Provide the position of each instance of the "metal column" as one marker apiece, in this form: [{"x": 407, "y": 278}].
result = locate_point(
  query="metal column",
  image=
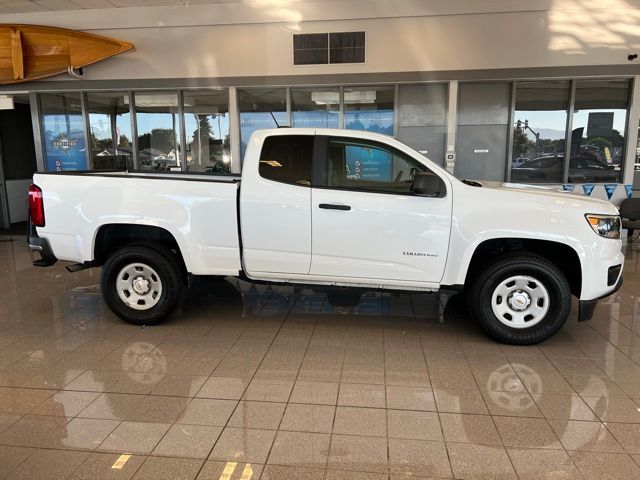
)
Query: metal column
[
  {"x": 134, "y": 130},
  {"x": 182, "y": 134},
  {"x": 37, "y": 133},
  {"x": 633, "y": 122},
  {"x": 569, "y": 134},
  {"x": 234, "y": 131},
  {"x": 452, "y": 126},
  {"x": 87, "y": 129}
]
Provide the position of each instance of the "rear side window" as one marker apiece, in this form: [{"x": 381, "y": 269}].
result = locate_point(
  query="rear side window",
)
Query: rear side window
[{"x": 287, "y": 158}]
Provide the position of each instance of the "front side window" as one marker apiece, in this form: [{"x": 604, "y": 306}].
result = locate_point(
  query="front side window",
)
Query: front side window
[
  {"x": 287, "y": 158},
  {"x": 369, "y": 166}
]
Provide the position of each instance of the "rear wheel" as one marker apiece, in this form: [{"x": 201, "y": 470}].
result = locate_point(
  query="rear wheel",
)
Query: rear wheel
[
  {"x": 520, "y": 298},
  {"x": 142, "y": 284}
]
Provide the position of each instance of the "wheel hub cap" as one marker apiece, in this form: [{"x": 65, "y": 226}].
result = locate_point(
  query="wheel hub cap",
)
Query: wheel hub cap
[
  {"x": 520, "y": 301},
  {"x": 139, "y": 286}
]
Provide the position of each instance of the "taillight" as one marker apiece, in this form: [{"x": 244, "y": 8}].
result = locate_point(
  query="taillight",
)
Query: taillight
[{"x": 36, "y": 206}]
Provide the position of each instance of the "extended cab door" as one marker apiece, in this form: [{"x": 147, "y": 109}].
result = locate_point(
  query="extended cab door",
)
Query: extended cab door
[
  {"x": 366, "y": 222},
  {"x": 275, "y": 203}
]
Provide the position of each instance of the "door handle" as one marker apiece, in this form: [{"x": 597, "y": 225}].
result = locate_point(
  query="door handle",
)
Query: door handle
[{"x": 333, "y": 206}]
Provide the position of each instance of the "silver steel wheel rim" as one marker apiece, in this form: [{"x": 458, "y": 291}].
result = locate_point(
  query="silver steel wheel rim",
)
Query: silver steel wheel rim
[
  {"x": 520, "y": 301},
  {"x": 139, "y": 286}
]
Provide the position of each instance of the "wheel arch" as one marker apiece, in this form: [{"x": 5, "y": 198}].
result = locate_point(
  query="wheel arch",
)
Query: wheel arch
[
  {"x": 562, "y": 255},
  {"x": 112, "y": 236}
]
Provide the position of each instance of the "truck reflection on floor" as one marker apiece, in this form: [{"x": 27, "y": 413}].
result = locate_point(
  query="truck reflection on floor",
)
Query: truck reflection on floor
[
  {"x": 266, "y": 300},
  {"x": 517, "y": 388}
]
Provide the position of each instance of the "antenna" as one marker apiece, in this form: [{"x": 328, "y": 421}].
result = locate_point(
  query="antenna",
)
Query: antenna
[{"x": 274, "y": 119}]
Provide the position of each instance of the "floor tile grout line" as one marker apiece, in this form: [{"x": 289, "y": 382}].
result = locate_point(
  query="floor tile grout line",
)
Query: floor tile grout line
[
  {"x": 435, "y": 403},
  {"x": 335, "y": 411},
  {"x": 47, "y": 342},
  {"x": 504, "y": 447},
  {"x": 287, "y": 403},
  {"x": 546, "y": 356},
  {"x": 386, "y": 405},
  {"x": 297, "y": 294}
]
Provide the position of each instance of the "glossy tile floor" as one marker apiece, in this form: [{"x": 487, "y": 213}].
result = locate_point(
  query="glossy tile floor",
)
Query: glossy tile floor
[{"x": 250, "y": 382}]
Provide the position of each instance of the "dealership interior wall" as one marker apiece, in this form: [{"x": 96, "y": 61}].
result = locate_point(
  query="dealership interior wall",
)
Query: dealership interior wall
[{"x": 503, "y": 90}]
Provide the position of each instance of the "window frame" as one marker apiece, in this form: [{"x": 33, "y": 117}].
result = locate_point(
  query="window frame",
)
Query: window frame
[{"x": 321, "y": 161}]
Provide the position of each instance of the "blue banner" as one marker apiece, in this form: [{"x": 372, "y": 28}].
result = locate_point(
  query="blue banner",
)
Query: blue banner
[
  {"x": 569, "y": 187},
  {"x": 629, "y": 190},
  {"x": 610, "y": 188},
  {"x": 64, "y": 147},
  {"x": 587, "y": 188}
]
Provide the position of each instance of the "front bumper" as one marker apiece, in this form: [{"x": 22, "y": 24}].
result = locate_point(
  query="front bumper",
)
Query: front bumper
[
  {"x": 587, "y": 307},
  {"x": 40, "y": 245}
]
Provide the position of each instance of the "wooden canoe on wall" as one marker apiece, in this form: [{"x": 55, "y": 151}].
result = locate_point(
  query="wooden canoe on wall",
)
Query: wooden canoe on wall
[{"x": 28, "y": 52}]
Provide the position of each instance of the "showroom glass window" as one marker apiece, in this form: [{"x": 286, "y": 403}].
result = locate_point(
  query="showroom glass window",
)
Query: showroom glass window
[
  {"x": 315, "y": 107},
  {"x": 206, "y": 123},
  {"x": 62, "y": 127},
  {"x": 109, "y": 131},
  {"x": 597, "y": 139},
  {"x": 363, "y": 165},
  {"x": 369, "y": 108},
  {"x": 256, "y": 106},
  {"x": 539, "y": 128},
  {"x": 158, "y": 127}
]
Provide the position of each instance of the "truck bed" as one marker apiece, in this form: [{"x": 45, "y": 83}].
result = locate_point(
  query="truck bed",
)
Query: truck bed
[{"x": 199, "y": 210}]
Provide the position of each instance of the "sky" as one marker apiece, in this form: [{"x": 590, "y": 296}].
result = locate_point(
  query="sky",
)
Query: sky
[{"x": 556, "y": 121}]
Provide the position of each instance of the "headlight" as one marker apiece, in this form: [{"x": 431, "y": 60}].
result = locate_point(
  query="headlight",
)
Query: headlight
[{"x": 607, "y": 226}]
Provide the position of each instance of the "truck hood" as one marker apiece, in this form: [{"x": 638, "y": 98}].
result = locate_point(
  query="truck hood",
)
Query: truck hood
[{"x": 553, "y": 194}]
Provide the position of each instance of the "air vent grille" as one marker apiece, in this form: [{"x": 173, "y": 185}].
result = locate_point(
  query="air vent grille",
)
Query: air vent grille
[{"x": 328, "y": 48}]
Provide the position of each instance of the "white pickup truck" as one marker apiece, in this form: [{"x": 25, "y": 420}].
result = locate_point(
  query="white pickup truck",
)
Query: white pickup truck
[{"x": 334, "y": 208}]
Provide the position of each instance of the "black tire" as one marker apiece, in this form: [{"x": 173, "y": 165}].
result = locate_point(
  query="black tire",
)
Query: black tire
[
  {"x": 502, "y": 268},
  {"x": 166, "y": 266}
]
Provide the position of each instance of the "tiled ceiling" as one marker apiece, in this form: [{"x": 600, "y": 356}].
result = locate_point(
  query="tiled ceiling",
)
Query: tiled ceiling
[{"x": 26, "y": 6}]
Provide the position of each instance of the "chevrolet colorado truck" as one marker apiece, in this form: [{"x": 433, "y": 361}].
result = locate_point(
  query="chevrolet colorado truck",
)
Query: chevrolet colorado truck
[{"x": 329, "y": 207}]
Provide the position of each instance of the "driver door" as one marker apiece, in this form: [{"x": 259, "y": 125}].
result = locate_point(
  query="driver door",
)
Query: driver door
[{"x": 367, "y": 224}]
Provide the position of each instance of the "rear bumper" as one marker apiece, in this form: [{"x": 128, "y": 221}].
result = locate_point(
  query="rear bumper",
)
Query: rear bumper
[
  {"x": 40, "y": 245},
  {"x": 587, "y": 307}
]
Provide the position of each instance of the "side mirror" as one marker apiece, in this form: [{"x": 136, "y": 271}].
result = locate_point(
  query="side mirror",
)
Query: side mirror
[{"x": 427, "y": 184}]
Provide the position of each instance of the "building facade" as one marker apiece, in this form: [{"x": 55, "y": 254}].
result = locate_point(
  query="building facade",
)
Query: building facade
[{"x": 500, "y": 90}]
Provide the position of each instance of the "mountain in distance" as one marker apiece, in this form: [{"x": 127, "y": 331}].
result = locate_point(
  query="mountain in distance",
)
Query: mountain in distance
[{"x": 548, "y": 133}]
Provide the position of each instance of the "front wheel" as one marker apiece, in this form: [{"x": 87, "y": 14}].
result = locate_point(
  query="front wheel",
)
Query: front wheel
[
  {"x": 141, "y": 284},
  {"x": 520, "y": 299}
]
